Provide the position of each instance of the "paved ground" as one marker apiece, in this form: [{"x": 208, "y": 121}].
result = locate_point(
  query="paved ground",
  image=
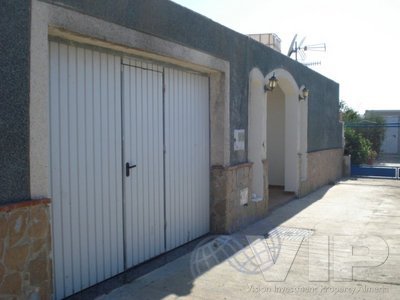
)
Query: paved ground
[{"x": 342, "y": 241}]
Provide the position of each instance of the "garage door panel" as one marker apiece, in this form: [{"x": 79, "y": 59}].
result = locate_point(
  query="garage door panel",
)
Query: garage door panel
[
  {"x": 143, "y": 146},
  {"x": 81, "y": 154},
  {"x": 187, "y": 156},
  {"x": 85, "y": 166}
]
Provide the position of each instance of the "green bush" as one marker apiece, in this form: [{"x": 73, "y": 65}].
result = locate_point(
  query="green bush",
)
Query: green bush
[
  {"x": 358, "y": 147},
  {"x": 374, "y": 133},
  {"x": 364, "y": 136}
]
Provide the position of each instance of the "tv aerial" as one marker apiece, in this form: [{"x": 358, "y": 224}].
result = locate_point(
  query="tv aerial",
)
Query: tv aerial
[{"x": 299, "y": 50}]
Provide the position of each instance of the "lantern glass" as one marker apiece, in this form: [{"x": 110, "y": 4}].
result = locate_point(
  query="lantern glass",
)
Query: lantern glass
[
  {"x": 305, "y": 93},
  {"x": 272, "y": 82}
]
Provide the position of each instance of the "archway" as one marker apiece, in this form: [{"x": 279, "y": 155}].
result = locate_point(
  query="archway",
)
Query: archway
[
  {"x": 277, "y": 133},
  {"x": 283, "y": 132},
  {"x": 257, "y": 132}
]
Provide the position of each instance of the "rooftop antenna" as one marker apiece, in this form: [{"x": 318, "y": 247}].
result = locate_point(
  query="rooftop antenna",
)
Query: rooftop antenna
[
  {"x": 292, "y": 46},
  {"x": 299, "y": 49},
  {"x": 313, "y": 63}
]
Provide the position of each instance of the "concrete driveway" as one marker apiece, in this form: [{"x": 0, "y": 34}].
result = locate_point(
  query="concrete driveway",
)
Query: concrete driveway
[{"x": 342, "y": 241}]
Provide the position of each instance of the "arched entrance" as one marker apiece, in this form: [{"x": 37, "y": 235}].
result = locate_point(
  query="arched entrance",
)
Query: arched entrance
[{"x": 277, "y": 133}]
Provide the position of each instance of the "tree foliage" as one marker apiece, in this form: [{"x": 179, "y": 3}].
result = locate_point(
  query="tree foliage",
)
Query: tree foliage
[
  {"x": 363, "y": 135},
  {"x": 349, "y": 114},
  {"x": 374, "y": 132},
  {"x": 358, "y": 147}
]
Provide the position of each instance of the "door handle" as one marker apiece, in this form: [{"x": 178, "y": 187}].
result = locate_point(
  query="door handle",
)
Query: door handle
[{"x": 127, "y": 168}]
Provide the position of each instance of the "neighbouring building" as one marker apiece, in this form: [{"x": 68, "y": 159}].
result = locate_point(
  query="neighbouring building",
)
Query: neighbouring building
[
  {"x": 129, "y": 128},
  {"x": 391, "y": 141},
  {"x": 269, "y": 39}
]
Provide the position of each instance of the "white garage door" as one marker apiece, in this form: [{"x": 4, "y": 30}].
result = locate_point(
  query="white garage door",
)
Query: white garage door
[{"x": 152, "y": 122}]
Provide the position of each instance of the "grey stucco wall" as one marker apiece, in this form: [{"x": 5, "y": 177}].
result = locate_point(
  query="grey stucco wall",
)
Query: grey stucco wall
[
  {"x": 168, "y": 21},
  {"x": 14, "y": 100}
]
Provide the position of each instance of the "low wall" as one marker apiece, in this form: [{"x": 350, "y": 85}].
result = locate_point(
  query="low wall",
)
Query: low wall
[
  {"x": 25, "y": 249},
  {"x": 323, "y": 167},
  {"x": 227, "y": 212}
]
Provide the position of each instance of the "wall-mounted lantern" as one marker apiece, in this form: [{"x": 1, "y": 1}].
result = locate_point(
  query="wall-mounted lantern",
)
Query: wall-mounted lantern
[
  {"x": 272, "y": 82},
  {"x": 303, "y": 94}
]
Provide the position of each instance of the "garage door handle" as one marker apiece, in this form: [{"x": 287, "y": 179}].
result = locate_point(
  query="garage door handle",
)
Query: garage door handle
[{"x": 127, "y": 168}]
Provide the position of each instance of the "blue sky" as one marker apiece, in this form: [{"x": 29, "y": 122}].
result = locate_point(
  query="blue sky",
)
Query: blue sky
[{"x": 362, "y": 39}]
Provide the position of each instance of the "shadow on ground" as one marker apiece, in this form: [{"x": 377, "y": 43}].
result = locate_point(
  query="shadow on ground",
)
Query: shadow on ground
[{"x": 197, "y": 257}]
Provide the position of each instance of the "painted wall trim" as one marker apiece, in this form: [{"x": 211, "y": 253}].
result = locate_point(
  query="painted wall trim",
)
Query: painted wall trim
[{"x": 12, "y": 206}]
